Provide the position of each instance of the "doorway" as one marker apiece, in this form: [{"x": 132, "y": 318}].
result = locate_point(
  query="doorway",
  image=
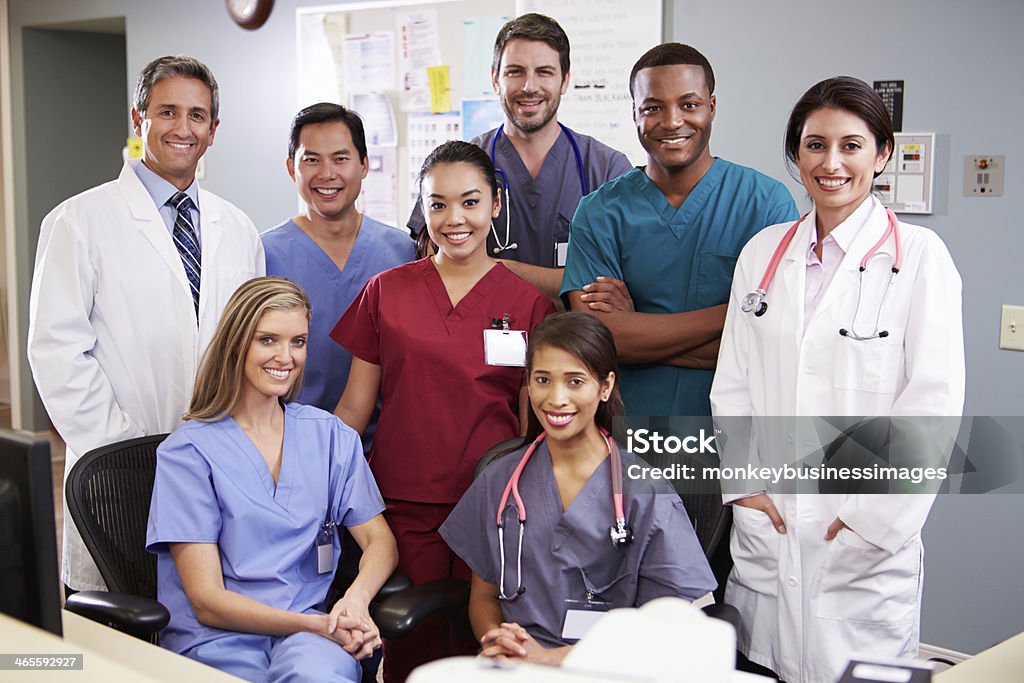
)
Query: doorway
[{"x": 76, "y": 122}]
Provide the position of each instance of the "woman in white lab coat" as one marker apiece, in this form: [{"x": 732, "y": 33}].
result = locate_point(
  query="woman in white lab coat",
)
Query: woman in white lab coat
[{"x": 819, "y": 578}]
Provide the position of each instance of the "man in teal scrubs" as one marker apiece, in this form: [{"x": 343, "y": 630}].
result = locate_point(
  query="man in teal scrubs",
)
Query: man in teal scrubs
[{"x": 652, "y": 252}]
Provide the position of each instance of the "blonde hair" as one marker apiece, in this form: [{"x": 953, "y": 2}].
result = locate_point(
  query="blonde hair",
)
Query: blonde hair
[{"x": 222, "y": 371}]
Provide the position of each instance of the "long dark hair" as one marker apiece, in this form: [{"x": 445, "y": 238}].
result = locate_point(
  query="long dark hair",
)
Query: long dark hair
[
  {"x": 459, "y": 152},
  {"x": 844, "y": 93},
  {"x": 586, "y": 338}
]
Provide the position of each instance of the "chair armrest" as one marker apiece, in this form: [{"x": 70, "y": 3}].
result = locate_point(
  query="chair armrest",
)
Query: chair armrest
[
  {"x": 398, "y": 614},
  {"x": 396, "y": 583},
  {"x": 133, "y": 614}
]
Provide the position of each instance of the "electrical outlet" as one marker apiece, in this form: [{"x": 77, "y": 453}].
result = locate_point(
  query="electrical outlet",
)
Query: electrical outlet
[
  {"x": 984, "y": 175},
  {"x": 1011, "y": 328}
]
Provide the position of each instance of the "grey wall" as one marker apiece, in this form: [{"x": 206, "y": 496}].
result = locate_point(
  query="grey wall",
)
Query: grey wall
[
  {"x": 765, "y": 53},
  {"x": 75, "y": 100}
]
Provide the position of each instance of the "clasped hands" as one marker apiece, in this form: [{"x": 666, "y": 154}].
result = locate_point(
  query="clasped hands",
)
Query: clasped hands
[
  {"x": 349, "y": 624},
  {"x": 511, "y": 640}
]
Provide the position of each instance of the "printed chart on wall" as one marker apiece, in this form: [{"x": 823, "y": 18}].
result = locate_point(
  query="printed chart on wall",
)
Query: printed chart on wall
[{"x": 606, "y": 38}]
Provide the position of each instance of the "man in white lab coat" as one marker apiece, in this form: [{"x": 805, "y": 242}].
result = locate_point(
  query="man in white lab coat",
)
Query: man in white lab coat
[{"x": 130, "y": 280}]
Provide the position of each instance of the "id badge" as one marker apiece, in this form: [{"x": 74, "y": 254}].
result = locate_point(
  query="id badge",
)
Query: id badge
[
  {"x": 325, "y": 548},
  {"x": 580, "y": 617},
  {"x": 561, "y": 252},
  {"x": 505, "y": 347}
]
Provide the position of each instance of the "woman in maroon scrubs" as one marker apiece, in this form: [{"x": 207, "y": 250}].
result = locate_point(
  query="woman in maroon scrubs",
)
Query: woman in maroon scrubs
[{"x": 442, "y": 340}]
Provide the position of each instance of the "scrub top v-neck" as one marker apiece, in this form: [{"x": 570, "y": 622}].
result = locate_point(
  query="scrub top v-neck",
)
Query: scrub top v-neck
[
  {"x": 293, "y": 254},
  {"x": 443, "y": 405}
]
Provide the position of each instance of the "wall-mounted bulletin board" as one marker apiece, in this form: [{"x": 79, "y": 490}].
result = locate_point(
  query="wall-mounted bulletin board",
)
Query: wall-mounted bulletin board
[{"x": 418, "y": 73}]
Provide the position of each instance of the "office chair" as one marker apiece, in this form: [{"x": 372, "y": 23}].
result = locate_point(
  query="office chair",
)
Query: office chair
[{"x": 108, "y": 493}]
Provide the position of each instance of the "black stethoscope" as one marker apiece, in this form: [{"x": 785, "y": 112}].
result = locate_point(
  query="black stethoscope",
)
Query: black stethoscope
[
  {"x": 509, "y": 244},
  {"x": 754, "y": 301},
  {"x": 621, "y": 535}
]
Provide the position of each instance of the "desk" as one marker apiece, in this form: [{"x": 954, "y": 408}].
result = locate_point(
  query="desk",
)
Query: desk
[
  {"x": 108, "y": 655},
  {"x": 477, "y": 670},
  {"x": 1002, "y": 663}
]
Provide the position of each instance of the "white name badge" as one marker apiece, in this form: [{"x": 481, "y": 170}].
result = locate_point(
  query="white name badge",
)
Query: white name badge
[
  {"x": 580, "y": 617},
  {"x": 505, "y": 347},
  {"x": 561, "y": 251},
  {"x": 325, "y": 548}
]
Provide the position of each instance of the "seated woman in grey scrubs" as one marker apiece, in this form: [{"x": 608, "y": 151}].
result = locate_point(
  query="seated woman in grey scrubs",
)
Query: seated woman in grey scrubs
[{"x": 537, "y": 587}]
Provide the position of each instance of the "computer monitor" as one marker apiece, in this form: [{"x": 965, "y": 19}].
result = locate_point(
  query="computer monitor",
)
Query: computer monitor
[{"x": 29, "y": 585}]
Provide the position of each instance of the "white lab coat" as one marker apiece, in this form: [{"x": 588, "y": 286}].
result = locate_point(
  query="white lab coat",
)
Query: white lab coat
[
  {"x": 113, "y": 341},
  {"x": 809, "y": 604}
]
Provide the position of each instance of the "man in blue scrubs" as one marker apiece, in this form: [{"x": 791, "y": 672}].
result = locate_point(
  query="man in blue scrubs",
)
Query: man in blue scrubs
[
  {"x": 544, "y": 167},
  {"x": 653, "y": 252},
  {"x": 330, "y": 249}
]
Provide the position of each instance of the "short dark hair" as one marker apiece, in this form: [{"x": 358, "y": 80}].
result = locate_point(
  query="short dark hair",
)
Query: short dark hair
[
  {"x": 846, "y": 94},
  {"x": 584, "y": 337},
  {"x": 670, "y": 54},
  {"x": 169, "y": 67},
  {"x": 533, "y": 26},
  {"x": 459, "y": 152},
  {"x": 328, "y": 112}
]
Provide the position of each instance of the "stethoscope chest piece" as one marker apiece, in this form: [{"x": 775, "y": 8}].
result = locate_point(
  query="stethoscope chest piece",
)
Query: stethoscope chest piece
[
  {"x": 621, "y": 534},
  {"x": 754, "y": 302}
]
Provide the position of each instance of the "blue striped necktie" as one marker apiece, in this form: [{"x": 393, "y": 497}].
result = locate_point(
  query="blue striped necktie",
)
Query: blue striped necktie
[{"x": 187, "y": 242}]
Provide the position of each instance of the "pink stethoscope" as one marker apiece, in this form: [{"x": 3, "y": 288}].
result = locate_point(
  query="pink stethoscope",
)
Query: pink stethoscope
[
  {"x": 754, "y": 301},
  {"x": 621, "y": 534}
]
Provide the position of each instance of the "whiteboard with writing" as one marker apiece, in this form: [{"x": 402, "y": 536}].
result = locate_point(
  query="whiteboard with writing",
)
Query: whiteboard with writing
[{"x": 606, "y": 38}]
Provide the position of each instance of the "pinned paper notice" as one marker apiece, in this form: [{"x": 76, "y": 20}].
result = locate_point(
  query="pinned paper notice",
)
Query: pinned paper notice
[{"x": 440, "y": 89}]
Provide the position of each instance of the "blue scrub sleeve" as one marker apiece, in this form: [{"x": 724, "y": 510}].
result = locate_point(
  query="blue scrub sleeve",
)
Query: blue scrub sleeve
[
  {"x": 470, "y": 530},
  {"x": 355, "y": 498},
  {"x": 184, "y": 507},
  {"x": 673, "y": 563},
  {"x": 359, "y": 329},
  {"x": 592, "y": 250},
  {"x": 783, "y": 207}
]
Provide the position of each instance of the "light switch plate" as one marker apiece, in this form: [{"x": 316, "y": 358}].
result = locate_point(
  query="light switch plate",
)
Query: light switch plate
[{"x": 1011, "y": 328}]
